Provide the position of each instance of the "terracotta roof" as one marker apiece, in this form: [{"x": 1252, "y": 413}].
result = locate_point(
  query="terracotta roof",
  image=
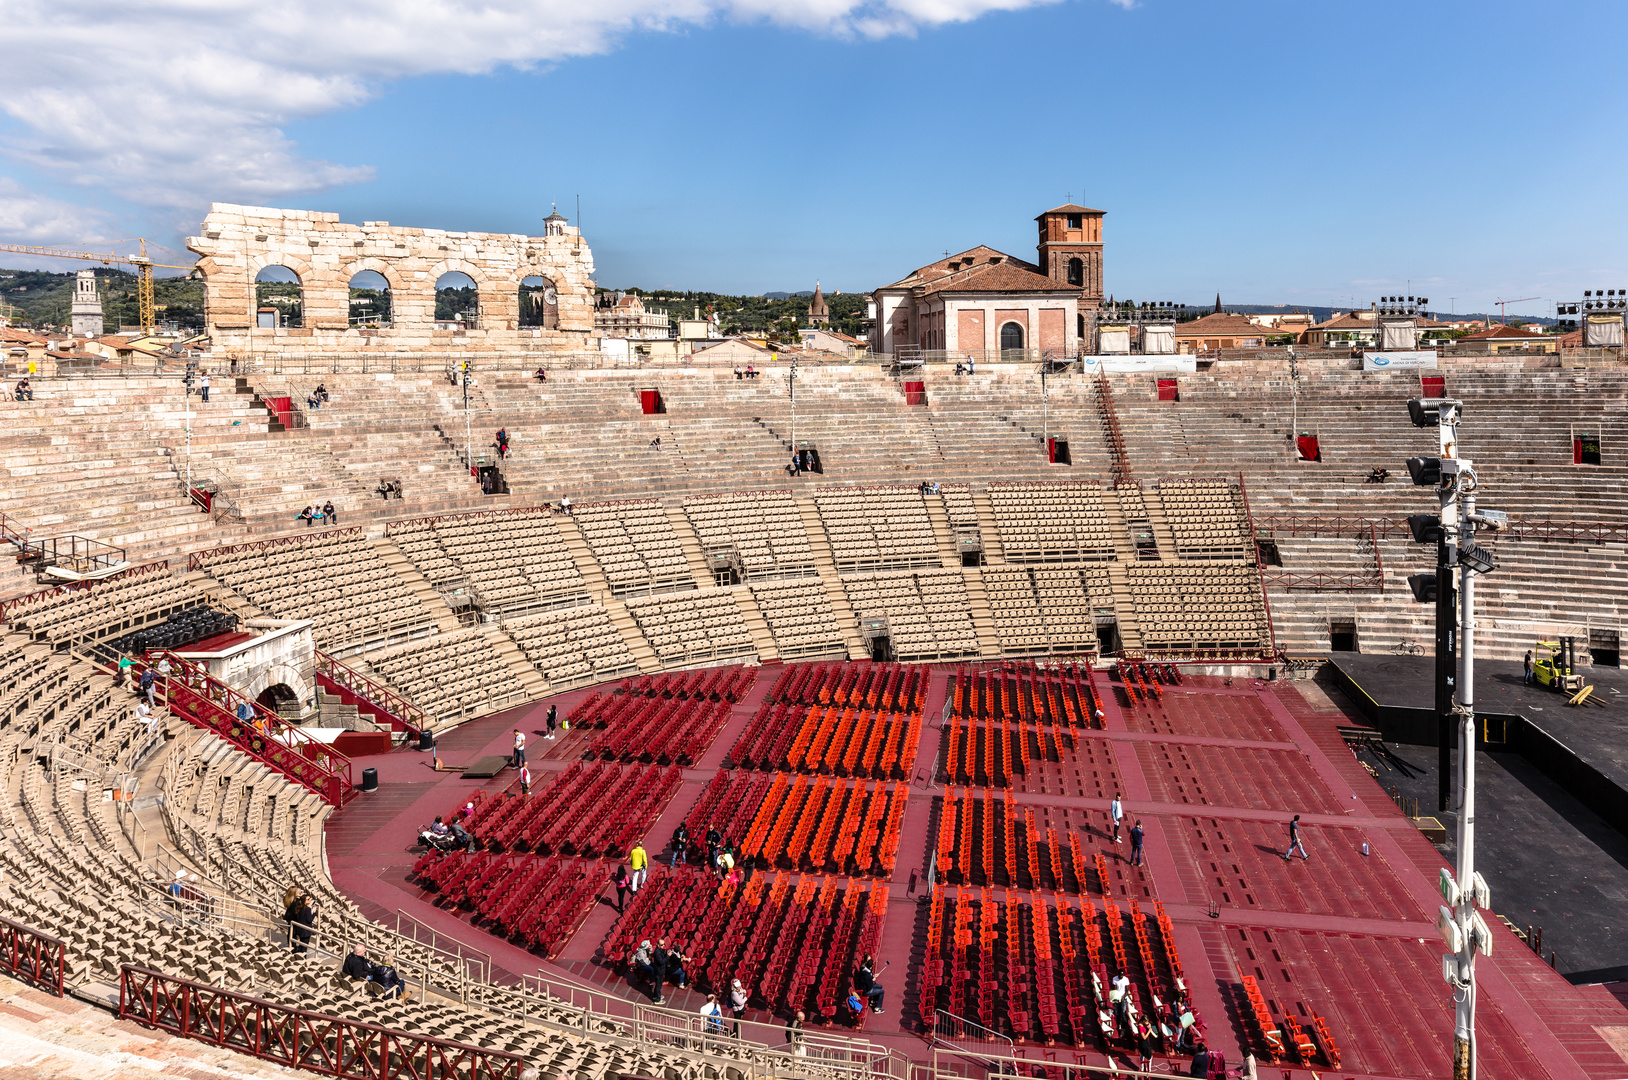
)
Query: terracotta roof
[
  {"x": 1573, "y": 340},
  {"x": 1002, "y": 277},
  {"x": 1501, "y": 332},
  {"x": 1070, "y": 208},
  {"x": 937, "y": 270},
  {"x": 1223, "y": 324},
  {"x": 1347, "y": 322}
]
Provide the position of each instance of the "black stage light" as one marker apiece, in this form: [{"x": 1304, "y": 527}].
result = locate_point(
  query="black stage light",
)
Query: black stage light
[
  {"x": 1421, "y": 414},
  {"x": 1426, "y": 528},
  {"x": 1426, "y": 471},
  {"x": 1424, "y": 587},
  {"x": 1477, "y": 558}
]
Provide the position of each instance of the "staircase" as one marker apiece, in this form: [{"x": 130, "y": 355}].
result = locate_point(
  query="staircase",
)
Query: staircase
[
  {"x": 756, "y": 624},
  {"x": 1111, "y": 434},
  {"x": 983, "y": 620},
  {"x": 847, "y": 621},
  {"x": 987, "y": 532},
  {"x": 947, "y": 553},
  {"x": 1130, "y": 631},
  {"x": 692, "y": 547},
  {"x": 592, "y": 576},
  {"x": 523, "y": 669},
  {"x": 408, "y": 574}
]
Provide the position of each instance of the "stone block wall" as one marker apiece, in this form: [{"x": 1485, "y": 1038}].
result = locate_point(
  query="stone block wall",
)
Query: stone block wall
[{"x": 237, "y": 242}]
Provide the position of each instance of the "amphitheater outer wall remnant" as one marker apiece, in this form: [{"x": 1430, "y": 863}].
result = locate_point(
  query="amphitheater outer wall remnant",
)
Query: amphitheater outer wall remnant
[{"x": 238, "y": 242}]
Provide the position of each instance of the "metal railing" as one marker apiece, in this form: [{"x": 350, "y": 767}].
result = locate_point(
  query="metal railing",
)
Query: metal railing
[
  {"x": 958, "y": 1032},
  {"x": 192, "y": 694},
  {"x": 9, "y": 608},
  {"x": 395, "y": 708},
  {"x": 300, "y": 1039},
  {"x": 195, "y": 560},
  {"x": 33, "y": 955},
  {"x": 949, "y": 1063}
]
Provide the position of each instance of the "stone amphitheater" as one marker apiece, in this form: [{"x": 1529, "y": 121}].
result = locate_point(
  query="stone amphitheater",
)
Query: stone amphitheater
[{"x": 937, "y": 532}]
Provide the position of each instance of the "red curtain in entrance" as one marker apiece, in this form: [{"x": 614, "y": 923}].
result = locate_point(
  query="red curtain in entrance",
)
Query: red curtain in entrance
[
  {"x": 915, "y": 393},
  {"x": 650, "y": 401},
  {"x": 1434, "y": 385},
  {"x": 1167, "y": 390},
  {"x": 1308, "y": 448}
]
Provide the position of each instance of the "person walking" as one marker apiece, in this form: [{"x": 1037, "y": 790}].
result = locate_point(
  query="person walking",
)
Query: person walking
[
  {"x": 794, "y": 1035},
  {"x": 525, "y": 779},
  {"x": 713, "y": 839},
  {"x": 1144, "y": 1046},
  {"x": 149, "y": 684},
  {"x": 1116, "y": 812},
  {"x": 519, "y": 755},
  {"x": 302, "y": 920},
  {"x": 1526, "y": 666},
  {"x": 738, "y": 997},
  {"x": 619, "y": 879},
  {"x": 713, "y": 1015},
  {"x": 203, "y": 388},
  {"x": 1294, "y": 840},
  {"x": 681, "y": 845},
  {"x": 552, "y": 720},
  {"x": 1136, "y": 844},
  {"x": 126, "y": 673},
  {"x": 640, "y": 863}
]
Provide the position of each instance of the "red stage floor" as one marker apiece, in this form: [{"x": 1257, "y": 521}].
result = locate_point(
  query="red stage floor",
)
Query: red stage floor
[{"x": 1213, "y": 772}]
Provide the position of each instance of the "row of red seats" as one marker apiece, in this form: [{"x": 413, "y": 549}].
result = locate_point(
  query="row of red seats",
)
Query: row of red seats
[
  {"x": 590, "y": 810},
  {"x": 1291, "y": 1042},
  {"x": 886, "y": 687},
  {"x": 729, "y": 683},
  {"x": 1061, "y": 695},
  {"x": 655, "y": 729},
  {"x": 966, "y": 851},
  {"x": 536, "y": 901},
  {"x": 832, "y": 740}
]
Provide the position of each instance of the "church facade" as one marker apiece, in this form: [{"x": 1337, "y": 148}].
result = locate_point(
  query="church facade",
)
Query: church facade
[{"x": 983, "y": 302}]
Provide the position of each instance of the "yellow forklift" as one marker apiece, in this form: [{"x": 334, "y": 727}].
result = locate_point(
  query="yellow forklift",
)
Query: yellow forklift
[{"x": 1556, "y": 667}]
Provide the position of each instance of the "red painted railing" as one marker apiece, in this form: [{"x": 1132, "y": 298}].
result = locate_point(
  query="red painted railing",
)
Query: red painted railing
[
  {"x": 33, "y": 955},
  {"x": 195, "y": 695},
  {"x": 9, "y": 606},
  {"x": 380, "y": 702},
  {"x": 195, "y": 561},
  {"x": 298, "y": 1039}
]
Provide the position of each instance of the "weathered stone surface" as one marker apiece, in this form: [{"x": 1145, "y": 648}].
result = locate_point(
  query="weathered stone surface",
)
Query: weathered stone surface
[{"x": 238, "y": 242}]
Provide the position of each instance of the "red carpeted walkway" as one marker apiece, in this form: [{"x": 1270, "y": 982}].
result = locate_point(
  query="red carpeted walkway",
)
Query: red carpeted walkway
[{"x": 1213, "y": 771}]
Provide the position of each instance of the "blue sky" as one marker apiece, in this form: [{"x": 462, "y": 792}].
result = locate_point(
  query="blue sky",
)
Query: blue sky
[{"x": 1275, "y": 152}]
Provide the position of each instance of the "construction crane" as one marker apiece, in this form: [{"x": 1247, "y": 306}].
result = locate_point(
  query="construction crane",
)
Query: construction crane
[
  {"x": 1503, "y": 315},
  {"x": 144, "y": 271}
]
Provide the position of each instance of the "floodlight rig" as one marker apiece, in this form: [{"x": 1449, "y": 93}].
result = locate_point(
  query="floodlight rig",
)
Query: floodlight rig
[{"x": 1459, "y": 561}]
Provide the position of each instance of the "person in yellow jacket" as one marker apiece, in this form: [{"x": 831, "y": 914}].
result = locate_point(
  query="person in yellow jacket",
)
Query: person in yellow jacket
[{"x": 639, "y": 862}]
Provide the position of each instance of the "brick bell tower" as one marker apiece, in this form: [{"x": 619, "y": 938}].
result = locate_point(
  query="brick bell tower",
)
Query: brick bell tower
[{"x": 1071, "y": 250}]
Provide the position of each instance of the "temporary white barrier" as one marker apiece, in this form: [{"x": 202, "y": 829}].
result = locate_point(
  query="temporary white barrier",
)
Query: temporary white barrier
[{"x": 1395, "y": 361}]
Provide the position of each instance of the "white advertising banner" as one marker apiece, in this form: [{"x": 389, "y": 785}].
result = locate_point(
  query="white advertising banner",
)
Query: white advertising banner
[
  {"x": 1176, "y": 362},
  {"x": 1399, "y": 361}
]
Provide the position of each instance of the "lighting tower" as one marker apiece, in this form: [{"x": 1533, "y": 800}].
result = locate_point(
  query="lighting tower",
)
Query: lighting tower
[{"x": 1461, "y": 926}]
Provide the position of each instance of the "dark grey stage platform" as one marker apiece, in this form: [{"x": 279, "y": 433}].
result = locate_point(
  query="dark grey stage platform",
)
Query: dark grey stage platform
[{"x": 1584, "y": 748}]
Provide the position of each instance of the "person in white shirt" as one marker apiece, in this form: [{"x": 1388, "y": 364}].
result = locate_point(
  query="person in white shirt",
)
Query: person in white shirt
[{"x": 1116, "y": 811}]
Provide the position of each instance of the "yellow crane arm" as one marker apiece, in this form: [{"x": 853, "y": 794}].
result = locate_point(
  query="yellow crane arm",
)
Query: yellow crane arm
[{"x": 144, "y": 271}]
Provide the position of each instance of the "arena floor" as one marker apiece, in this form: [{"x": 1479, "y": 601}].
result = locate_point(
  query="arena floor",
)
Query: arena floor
[{"x": 1213, "y": 769}]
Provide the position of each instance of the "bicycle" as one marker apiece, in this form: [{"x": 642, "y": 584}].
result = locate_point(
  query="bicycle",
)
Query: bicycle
[{"x": 1410, "y": 648}]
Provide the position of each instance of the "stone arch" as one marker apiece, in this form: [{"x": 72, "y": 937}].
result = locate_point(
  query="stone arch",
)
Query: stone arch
[
  {"x": 274, "y": 306},
  {"x": 443, "y": 304},
  {"x": 539, "y": 303},
  {"x": 283, "y": 675},
  {"x": 365, "y": 306}
]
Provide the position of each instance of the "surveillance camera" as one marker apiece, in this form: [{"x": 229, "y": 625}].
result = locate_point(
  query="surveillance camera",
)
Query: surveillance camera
[{"x": 1491, "y": 520}]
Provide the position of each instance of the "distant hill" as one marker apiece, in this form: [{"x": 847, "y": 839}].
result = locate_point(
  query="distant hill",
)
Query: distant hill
[{"x": 45, "y": 299}]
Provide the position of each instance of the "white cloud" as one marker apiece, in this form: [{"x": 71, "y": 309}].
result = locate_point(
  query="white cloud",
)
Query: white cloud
[
  {"x": 171, "y": 103},
  {"x": 29, "y": 218}
]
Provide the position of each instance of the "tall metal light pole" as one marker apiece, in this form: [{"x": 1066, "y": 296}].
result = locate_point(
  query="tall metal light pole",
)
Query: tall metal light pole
[
  {"x": 186, "y": 393},
  {"x": 469, "y": 455},
  {"x": 1461, "y": 925},
  {"x": 791, "y": 387}
]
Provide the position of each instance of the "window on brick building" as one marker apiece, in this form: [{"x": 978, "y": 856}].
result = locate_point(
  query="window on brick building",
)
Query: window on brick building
[
  {"x": 1074, "y": 221},
  {"x": 1011, "y": 337},
  {"x": 1076, "y": 272}
]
